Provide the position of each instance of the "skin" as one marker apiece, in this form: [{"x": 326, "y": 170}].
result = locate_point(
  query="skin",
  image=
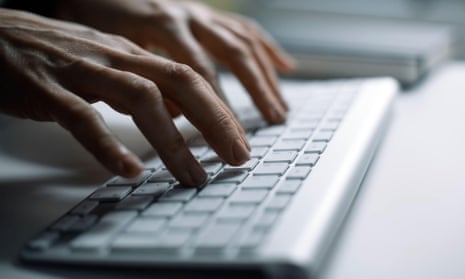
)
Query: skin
[{"x": 53, "y": 70}]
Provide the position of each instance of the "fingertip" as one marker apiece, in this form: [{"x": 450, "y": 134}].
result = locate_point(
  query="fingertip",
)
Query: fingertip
[{"x": 129, "y": 166}]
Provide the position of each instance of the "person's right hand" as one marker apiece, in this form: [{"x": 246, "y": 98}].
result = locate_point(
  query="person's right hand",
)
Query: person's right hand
[{"x": 53, "y": 70}]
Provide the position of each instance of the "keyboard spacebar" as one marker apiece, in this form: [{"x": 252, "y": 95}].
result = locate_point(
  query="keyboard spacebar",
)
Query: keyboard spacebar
[{"x": 100, "y": 234}]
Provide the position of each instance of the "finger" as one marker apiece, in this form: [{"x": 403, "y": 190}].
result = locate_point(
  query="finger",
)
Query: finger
[
  {"x": 230, "y": 51},
  {"x": 141, "y": 98},
  {"x": 182, "y": 47},
  {"x": 88, "y": 127},
  {"x": 196, "y": 99},
  {"x": 260, "y": 55},
  {"x": 281, "y": 59}
]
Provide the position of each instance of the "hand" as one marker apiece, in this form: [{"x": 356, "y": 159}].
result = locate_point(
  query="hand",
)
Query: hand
[
  {"x": 189, "y": 32},
  {"x": 52, "y": 70}
]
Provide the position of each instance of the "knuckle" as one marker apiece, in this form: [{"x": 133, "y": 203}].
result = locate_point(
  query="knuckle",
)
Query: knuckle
[
  {"x": 79, "y": 117},
  {"x": 182, "y": 73}
]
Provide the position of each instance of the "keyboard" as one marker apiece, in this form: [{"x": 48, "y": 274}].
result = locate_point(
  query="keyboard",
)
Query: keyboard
[{"x": 293, "y": 192}]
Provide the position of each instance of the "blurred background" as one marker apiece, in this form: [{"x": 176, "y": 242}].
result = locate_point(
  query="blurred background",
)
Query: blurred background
[{"x": 346, "y": 38}]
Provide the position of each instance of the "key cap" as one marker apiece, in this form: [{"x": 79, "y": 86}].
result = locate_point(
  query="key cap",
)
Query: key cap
[
  {"x": 65, "y": 223},
  {"x": 329, "y": 126},
  {"x": 262, "y": 141},
  {"x": 266, "y": 219},
  {"x": 251, "y": 240},
  {"x": 271, "y": 168},
  {"x": 173, "y": 240},
  {"x": 85, "y": 207},
  {"x": 248, "y": 166},
  {"x": 252, "y": 196},
  {"x": 180, "y": 194},
  {"x": 216, "y": 237},
  {"x": 210, "y": 157},
  {"x": 230, "y": 177},
  {"x": 154, "y": 189},
  {"x": 281, "y": 156},
  {"x": 289, "y": 145},
  {"x": 189, "y": 221},
  {"x": 296, "y": 135},
  {"x": 163, "y": 209},
  {"x": 308, "y": 159},
  {"x": 316, "y": 147},
  {"x": 147, "y": 225},
  {"x": 236, "y": 212},
  {"x": 212, "y": 167},
  {"x": 271, "y": 131},
  {"x": 258, "y": 152},
  {"x": 162, "y": 175},
  {"x": 289, "y": 186},
  {"x": 44, "y": 240},
  {"x": 83, "y": 224},
  {"x": 198, "y": 141},
  {"x": 133, "y": 182},
  {"x": 135, "y": 242},
  {"x": 278, "y": 202},
  {"x": 101, "y": 233},
  {"x": 134, "y": 203},
  {"x": 204, "y": 205},
  {"x": 198, "y": 151},
  {"x": 259, "y": 181},
  {"x": 111, "y": 193},
  {"x": 298, "y": 172},
  {"x": 218, "y": 190},
  {"x": 323, "y": 136}
]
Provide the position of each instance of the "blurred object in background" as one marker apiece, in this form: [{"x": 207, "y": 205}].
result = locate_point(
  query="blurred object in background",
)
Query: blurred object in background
[{"x": 344, "y": 38}]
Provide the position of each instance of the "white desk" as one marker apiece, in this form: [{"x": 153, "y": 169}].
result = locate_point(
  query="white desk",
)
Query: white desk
[{"x": 407, "y": 221}]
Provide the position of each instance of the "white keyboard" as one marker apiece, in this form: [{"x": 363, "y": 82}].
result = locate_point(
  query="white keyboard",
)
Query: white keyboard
[{"x": 231, "y": 217}]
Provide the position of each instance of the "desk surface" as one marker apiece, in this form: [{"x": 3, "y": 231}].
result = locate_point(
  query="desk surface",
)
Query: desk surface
[{"x": 407, "y": 221}]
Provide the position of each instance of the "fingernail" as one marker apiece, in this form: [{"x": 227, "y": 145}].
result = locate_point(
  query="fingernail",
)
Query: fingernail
[
  {"x": 240, "y": 152},
  {"x": 197, "y": 174}
]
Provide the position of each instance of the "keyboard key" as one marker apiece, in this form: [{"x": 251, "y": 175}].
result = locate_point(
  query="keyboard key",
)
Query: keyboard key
[
  {"x": 236, "y": 212},
  {"x": 261, "y": 181},
  {"x": 323, "y": 136},
  {"x": 147, "y": 225},
  {"x": 278, "y": 202},
  {"x": 204, "y": 205},
  {"x": 251, "y": 240},
  {"x": 180, "y": 194},
  {"x": 289, "y": 145},
  {"x": 329, "y": 126},
  {"x": 212, "y": 167},
  {"x": 271, "y": 168},
  {"x": 198, "y": 151},
  {"x": 249, "y": 165},
  {"x": 85, "y": 207},
  {"x": 210, "y": 157},
  {"x": 163, "y": 209},
  {"x": 289, "y": 186},
  {"x": 162, "y": 175},
  {"x": 44, "y": 240},
  {"x": 276, "y": 130},
  {"x": 298, "y": 173},
  {"x": 297, "y": 134},
  {"x": 102, "y": 232},
  {"x": 216, "y": 237},
  {"x": 231, "y": 177},
  {"x": 308, "y": 159},
  {"x": 189, "y": 221},
  {"x": 316, "y": 147},
  {"x": 198, "y": 141},
  {"x": 135, "y": 242},
  {"x": 173, "y": 239},
  {"x": 133, "y": 182},
  {"x": 65, "y": 223},
  {"x": 266, "y": 219},
  {"x": 154, "y": 189},
  {"x": 111, "y": 193},
  {"x": 258, "y": 152},
  {"x": 83, "y": 224},
  {"x": 218, "y": 190},
  {"x": 281, "y": 156},
  {"x": 134, "y": 203},
  {"x": 252, "y": 196},
  {"x": 262, "y": 141}
]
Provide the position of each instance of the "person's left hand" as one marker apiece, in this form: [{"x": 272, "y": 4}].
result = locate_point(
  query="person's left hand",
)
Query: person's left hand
[{"x": 190, "y": 32}]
